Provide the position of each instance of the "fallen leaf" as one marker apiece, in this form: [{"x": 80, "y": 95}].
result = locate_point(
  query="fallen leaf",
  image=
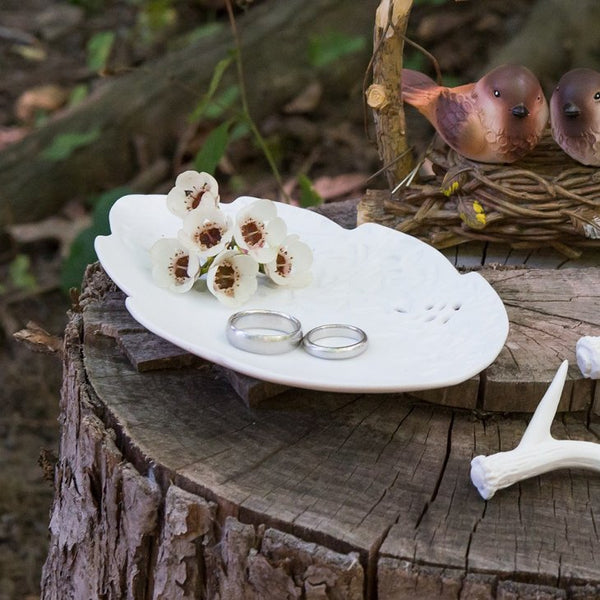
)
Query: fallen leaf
[
  {"x": 33, "y": 53},
  {"x": 38, "y": 339},
  {"x": 10, "y": 135},
  {"x": 54, "y": 228},
  {"x": 340, "y": 185},
  {"x": 306, "y": 101},
  {"x": 48, "y": 98}
]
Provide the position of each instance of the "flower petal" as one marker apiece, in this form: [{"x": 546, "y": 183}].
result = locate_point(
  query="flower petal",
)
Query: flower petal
[
  {"x": 291, "y": 265},
  {"x": 276, "y": 231},
  {"x": 259, "y": 230},
  {"x": 193, "y": 190},
  {"x": 173, "y": 266},
  {"x": 232, "y": 277},
  {"x": 206, "y": 231}
]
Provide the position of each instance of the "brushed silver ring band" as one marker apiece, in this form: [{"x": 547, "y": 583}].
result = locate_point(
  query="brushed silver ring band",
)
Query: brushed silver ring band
[
  {"x": 335, "y": 352},
  {"x": 250, "y": 330}
]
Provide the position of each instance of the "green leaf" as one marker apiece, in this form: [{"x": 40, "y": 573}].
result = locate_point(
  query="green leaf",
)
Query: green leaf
[
  {"x": 215, "y": 110},
  {"x": 326, "y": 49},
  {"x": 239, "y": 130},
  {"x": 98, "y": 49},
  {"x": 65, "y": 144},
  {"x": 154, "y": 19},
  {"x": 308, "y": 194},
  {"x": 213, "y": 149},
  {"x": 20, "y": 273},
  {"x": 82, "y": 252},
  {"x": 195, "y": 35},
  {"x": 78, "y": 94},
  {"x": 218, "y": 73}
]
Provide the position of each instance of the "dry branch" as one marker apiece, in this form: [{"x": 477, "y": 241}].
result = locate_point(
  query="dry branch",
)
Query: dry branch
[{"x": 383, "y": 95}]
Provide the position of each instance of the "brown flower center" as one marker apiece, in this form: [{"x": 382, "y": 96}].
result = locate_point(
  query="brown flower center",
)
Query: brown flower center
[
  {"x": 195, "y": 197},
  {"x": 179, "y": 267},
  {"x": 284, "y": 265},
  {"x": 225, "y": 278},
  {"x": 253, "y": 233},
  {"x": 209, "y": 236}
]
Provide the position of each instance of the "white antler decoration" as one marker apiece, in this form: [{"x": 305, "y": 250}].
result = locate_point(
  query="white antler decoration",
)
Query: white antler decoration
[{"x": 538, "y": 452}]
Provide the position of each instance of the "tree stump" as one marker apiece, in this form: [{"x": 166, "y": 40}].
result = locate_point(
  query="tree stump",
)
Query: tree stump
[{"x": 172, "y": 484}]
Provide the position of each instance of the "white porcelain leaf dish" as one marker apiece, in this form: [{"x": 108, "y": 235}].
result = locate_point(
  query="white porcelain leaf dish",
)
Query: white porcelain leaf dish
[{"x": 428, "y": 325}]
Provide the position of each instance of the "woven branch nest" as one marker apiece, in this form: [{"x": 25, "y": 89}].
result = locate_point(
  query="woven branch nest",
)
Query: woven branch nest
[{"x": 546, "y": 199}]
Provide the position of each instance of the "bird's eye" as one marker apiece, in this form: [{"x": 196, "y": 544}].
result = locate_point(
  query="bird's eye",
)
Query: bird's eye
[
  {"x": 497, "y": 93},
  {"x": 597, "y": 96}
]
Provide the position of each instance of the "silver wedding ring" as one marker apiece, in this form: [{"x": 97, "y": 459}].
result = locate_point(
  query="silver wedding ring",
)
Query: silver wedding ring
[
  {"x": 271, "y": 332},
  {"x": 358, "y": 337},
  {"x": 264, "y": 331}
]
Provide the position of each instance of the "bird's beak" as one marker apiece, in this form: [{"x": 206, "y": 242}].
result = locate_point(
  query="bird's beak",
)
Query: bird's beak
[
  {"x": 520, "y": 111},
  {"x": 571, "y": 110}
]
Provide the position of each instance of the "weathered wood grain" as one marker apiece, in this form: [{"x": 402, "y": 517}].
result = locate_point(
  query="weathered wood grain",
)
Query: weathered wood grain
[
  {"x": 548, "y": 310},
  {"x": 182, "y": 490}
]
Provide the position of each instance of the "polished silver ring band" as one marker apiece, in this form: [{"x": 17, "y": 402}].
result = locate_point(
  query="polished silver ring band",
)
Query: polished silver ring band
[
  {"x": 323, "y": 332},
  {"x": 264, "y": 331}
]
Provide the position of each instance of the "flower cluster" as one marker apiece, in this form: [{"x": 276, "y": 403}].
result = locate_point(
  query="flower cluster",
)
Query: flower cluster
[{"x": 230, "y": 253}]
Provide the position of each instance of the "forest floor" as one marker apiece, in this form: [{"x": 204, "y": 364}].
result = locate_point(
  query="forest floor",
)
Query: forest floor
[{"x": 43, "y": 62}]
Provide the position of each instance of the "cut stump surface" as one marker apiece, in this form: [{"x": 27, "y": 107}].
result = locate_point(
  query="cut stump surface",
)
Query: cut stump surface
[{"x": 170, "y": 486}]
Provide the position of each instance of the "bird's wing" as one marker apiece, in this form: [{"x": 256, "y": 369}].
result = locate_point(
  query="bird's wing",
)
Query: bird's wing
[{"x": 458, "y": 122}]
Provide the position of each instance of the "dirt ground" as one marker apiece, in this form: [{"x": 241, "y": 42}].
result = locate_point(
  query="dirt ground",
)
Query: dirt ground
[{"x": 43, "y": 43}]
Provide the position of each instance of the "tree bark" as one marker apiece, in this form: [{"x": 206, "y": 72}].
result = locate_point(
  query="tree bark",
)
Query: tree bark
[{"x": 152, "y": 104}]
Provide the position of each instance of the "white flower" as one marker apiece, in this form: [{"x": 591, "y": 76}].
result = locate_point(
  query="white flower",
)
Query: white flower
[
  {"x": 259, "y": 230},
  {"x": 206, "y": 231},
  {"x": 173, "y": 266},
  {"x": 192, "y": 189},
  {"x": 232, "y": 277},
  {"x": 292, "y": 263}
]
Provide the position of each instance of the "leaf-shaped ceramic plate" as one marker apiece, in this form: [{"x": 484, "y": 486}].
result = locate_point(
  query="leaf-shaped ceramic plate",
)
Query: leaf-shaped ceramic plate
[{"x": 428, "y": 325}]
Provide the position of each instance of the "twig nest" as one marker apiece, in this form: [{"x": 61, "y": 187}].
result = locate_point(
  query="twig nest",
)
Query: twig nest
[{"x": 545, "y": 199}]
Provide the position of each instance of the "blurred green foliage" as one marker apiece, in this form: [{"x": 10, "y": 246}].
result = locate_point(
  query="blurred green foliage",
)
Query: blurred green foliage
[
  {"x": 213, "y": 149},
  {"x": 325, "y": 49},
  {"x": 308, "y": 195},
  {"x": 98, "y": 48},
  {"x": 20, "y": 276},
  {"x": 64, "y": 144},
  {"x": 82, "y": 251}
]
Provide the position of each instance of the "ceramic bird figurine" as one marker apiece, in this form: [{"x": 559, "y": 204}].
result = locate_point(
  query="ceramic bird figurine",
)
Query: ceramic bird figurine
[
  {"x": 575, "y": 115},
  {"x": 498, "y": 119}
]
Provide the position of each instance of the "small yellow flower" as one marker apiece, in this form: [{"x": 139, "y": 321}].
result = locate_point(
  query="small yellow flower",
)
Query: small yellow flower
[
  {"x": 453, "y": 180},
  {"x": 479, "y": 212},
  {"x": 472, "y": 213},
  {"x": 451, "y": 189}
]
